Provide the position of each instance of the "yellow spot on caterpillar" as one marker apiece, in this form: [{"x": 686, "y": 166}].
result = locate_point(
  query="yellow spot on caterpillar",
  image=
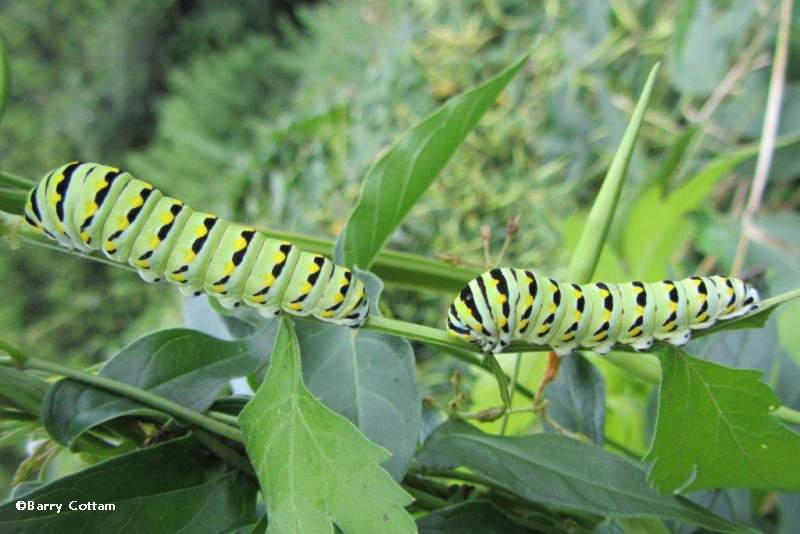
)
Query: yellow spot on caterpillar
[
  {"x": 701, "y": 297},
  {"x": 502, "y": 322},
  {"x": 501, "y": 299},
  {"x": 154, "y": 242},
  {"x": 577, "y": 316},
  {"x": 697, "y": 282},
  {"x": 529, "y": 302},
  {"x": 639, "y": 310},
  {"x": 219, "y": 288},
  {"x": 91, "y": 209},
  {"x": 672, "y": 306},
  {"x": 604, "y": 293},
  {"x": 297, "y": 306},
  {"x": 338, "y": 298},
  {"x": 180, "y": 277},
  {"x": 638, "y": 289},
  {"x": 280, "y": 257},
  {"x": 479, "y": 327},
  {"x": 240, "y": 243},
  {"x": 269, "y": 280},
  {"x": 190, "y": 256},
  {"x": 167, "y": 217},
  {"x": 703, "y": 318},
  {"x": 314, "y": 268},
  {"x": 137, "y": 202},
  {"x": 606, "y": 315},
  {"x": 259, "y": 299},
  {"x": 110, "y": 247},
  {"x": 306, "y": 288},
  {"x": 200, "y": 231},
  {"x": 327, "y": 314},
  {"x": 143, "y": 264},
  {"x": 523, "y": 324},
  {"x": 59, "y": 227},
  {"x": 544, "y": 329},
  {"x": 553, "y": 307},
  {"x": 229, "y": 268},
  {"x": 85, "y": 236},
  {"x": 578, "y": 294},
  {"x": 636, "y": 331}
]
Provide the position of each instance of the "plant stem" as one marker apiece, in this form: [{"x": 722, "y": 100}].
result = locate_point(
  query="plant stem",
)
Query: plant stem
[
  {"x": 426, "y": 500},
  {"x": 223, "y": 451},
  {"x": 132, "y": 392},
  {"x": 514, "y": 380},
  {"x": 769, "y": 132},
  {"x": 228, "y": 419}
]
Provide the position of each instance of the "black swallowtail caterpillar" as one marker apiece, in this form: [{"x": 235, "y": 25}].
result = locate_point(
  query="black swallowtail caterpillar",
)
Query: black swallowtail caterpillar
[
  {"x": 96, "y": 207},
  {"x": 506, "y": 304}
]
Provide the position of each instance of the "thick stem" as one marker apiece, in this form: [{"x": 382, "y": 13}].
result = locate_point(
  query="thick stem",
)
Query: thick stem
[{"x": 132, "y": 392}]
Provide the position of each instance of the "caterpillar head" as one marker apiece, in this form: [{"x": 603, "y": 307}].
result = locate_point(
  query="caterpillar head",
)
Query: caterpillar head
[{"x": 465, "y": 320}]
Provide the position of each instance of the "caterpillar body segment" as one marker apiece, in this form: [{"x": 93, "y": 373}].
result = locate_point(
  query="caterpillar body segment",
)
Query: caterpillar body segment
[
  {"x": 93, "y": 207},
  {"x": 503, "y": 305}
]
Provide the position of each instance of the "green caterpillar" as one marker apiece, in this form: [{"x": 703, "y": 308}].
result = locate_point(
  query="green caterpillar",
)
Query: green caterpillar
[
  {"x": 506, "y": 304},
  {"x": 89, "y": 206}
]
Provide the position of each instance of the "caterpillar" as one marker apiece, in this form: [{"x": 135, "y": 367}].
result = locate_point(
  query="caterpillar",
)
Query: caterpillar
[
  {"x": 91, "y": 207},
  {"x": 502, "y": 305}
]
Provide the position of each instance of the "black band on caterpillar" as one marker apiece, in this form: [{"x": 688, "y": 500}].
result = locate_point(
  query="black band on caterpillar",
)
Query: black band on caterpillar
[
  {"x": 95, "y": 207},
  {"x": 502, "y": 305}
]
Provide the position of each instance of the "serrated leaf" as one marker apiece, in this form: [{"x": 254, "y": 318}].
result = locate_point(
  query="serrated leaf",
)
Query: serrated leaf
[
  {"x": 370, "y": 378},
  {"x": 714, "y": 430},
  {"x": 576, "y": 399},
  {"x": 182, "y": 365},
  {"x": 473, "y": 516},
  {"x": 558, "y": 471},
  {"x": 171, "y": 487},
  {"x": 400, "y": 177},
  {"x": 315, "y": 468}
]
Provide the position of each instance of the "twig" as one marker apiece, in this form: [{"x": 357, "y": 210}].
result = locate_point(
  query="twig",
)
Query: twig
[{"x": 769, "y": 132}]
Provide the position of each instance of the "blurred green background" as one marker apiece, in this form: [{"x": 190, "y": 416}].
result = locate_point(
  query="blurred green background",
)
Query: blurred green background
[{"x": 271, "y": 112}]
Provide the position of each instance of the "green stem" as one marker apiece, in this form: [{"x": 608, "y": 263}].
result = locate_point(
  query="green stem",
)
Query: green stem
[
  {"x": 787, "y": 415},
  {"x": 13, "y": 351},
  {"x": 228, "y": 419},
  {"x": 223, "y": 451},
  {"x": 12, "y": 180},
  {"x": 132, "y": 392},
  {"x": 426, "y": 500},
  {"x": 514, "y": 380}
]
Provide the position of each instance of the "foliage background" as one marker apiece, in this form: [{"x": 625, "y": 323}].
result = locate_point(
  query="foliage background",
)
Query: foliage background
[{"x": 271, "y": 113}]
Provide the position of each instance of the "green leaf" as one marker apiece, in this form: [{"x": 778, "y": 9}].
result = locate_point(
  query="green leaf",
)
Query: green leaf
[
  {"x": 315, "y": 468},
  {"x": 473, "y": 516},
  {"x": 576, "y": 400},
  {"x": 400, "y": 177},
  {"x": 22, "y": 390},
  {"x": 714, "y": 430},
  {"x": 181, "y": 365},
  {"x": 590, "y": 244},
  {"x": 171, "y": 487},
  {"x": 558, "y": 471},
  {"x": 370, "y": 378}
]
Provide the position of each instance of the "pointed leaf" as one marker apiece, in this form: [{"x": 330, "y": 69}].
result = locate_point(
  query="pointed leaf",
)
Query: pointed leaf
[
  {"x": 181, "y": 365},
  {"x": 400, "y": 177},
  {"x": 558, "y": 471},
  {"x": 576, "y": 400},
  {"x": 166, "y": 488},
  {"x": 369, "y": 378},
  {"x": 714, "y": 430},
  {"x": 315, "y": 468},
  {"x": 473, "y": 516}
]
